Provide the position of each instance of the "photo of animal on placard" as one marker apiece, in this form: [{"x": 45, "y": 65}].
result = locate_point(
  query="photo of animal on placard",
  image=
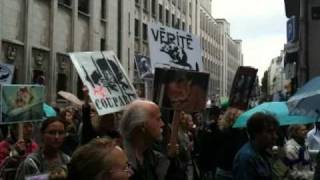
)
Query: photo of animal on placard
[
  {"x": 174, "y": 48},
  {"x": 180, "y": 89},
  {"x": 109, "y": 87},
  {"x": 178, "y": 56},
  {"x": 21, "y": 103},
  {"x": 143, "y": 65}
]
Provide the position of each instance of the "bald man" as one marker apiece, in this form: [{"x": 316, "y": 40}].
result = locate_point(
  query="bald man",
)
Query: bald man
[{"x": 140, "y": 126}]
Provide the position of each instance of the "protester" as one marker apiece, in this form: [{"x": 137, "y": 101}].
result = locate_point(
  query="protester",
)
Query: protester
[
  {"x": 95, "y": 126},
  {"x": 101, "y": 158},
  {"x": 297, "y": 155},
  {"x": 49, "y": 157},
  {"x": 208, "y": 143},
  {"x": 140, "y": 127},
  {"x": 71, "y": 141},
  {"x": 251, "y": 162},
  {"x": 313, "y": 137},
  {"x": 229, "y": 141},
  {"x": 181, "y": 161},
  {"x": 13, "y": 150}
]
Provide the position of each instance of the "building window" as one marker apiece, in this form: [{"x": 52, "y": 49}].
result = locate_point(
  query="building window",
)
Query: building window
[
  {"x": 62, "y": 82},
  {"x": 137, "y": 3},
  {"x": 65, "y": 2},
  {"x": 153, "y": 4},
  {"x": 83, "y": 6},
  {"x": 136, "y": 28},
  {"x": 145, "y": 31},
  {"x": 167, "y": 17},
  {"x": 38, "y": 77},
  {"x": 160, "y": 13},
  {"x": 145, "y": 6},
  {"x": 190, "y": 9},
  {"x": 173, "y": 20},
  {"x": 183, "y": 26},
  {"x": 102, "y": 44},
  {"x": 178, "y": 24},
  {"x": 103, "y": 9}
]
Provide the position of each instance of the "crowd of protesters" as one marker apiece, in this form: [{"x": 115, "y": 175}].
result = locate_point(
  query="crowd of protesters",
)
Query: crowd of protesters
[{"x": 145, "y": 142}]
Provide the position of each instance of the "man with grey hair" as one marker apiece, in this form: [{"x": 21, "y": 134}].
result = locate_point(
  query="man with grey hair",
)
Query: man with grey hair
[{"x": 140, "y": 127}]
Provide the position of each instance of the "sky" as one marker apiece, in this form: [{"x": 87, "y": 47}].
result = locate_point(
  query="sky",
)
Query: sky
[{"x": 260, "y": 24}]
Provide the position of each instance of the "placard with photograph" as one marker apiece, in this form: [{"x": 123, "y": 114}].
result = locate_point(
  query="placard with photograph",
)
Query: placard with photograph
[
  {"x": 109, "y": 87},
  {"x": 143, "y": 65},
  {"x": 6, "y": 73},
  {"x": 20, "y": 103},
  {"x": 180, "y": 89},
  {"x": 174, "y": 48},
  {"x": 242, "y": 86}
]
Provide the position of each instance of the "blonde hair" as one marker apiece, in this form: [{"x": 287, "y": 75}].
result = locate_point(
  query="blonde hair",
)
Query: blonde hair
[{"x": 229, "y": 118}]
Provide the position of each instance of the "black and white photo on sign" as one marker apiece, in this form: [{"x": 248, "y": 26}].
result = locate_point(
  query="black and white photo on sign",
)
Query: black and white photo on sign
[
  {"x": 242, "y": 86},
  {"x": 143, "y": 65},
  {"x": 109, "y": 87},
  {"x": 174, "y": 48},
  {"x": 6, "y": 73}
]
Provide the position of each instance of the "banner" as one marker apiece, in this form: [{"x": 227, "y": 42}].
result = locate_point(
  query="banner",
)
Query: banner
[
  {"x": 144, "y": 67},
  {"x": 242, "y": 86},
  {"x": 6, "y": 73},
  {"x": 21, "y": 103},
  {"x": 174, "y": 48},
  {"x": 180, "y": 89},
  {"x": 109, "y": 87}
]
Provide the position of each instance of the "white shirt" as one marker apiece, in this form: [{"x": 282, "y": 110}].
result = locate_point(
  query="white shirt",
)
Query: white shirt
[{"x": 313, "y": 139}]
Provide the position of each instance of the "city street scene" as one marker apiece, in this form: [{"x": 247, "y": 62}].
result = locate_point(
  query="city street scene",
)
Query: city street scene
[{"x": 159, "y": 90}]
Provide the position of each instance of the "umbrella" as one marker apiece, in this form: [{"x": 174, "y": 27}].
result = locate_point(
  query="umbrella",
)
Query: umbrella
[
  {"x": 277, "y": 109},
  {"x": 70, "y": 97},
  {"x": 49, "y": 111},
  {"x": 306, "y": 101}
]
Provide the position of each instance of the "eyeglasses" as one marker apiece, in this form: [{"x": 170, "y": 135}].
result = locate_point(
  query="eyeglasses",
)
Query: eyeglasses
[{"x": 56, "y": 133}]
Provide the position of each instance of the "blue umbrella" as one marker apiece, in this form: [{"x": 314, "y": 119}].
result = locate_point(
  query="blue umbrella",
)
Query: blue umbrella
[
  {"x": 306, "y": 101},
  {"x": 278, "y": 110},
  {"x": 49, "y": 111}
]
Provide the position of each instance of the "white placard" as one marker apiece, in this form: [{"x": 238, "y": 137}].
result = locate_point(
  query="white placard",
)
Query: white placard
[
  {"x": 109, "y": 87},
  {"x": 174, "y": 48}
]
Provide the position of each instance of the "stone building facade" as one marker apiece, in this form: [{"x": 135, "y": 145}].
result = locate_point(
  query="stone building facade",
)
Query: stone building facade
[{"x": 36, "y": 35}]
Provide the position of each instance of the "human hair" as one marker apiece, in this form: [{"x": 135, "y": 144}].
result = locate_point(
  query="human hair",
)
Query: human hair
[
  {"x": 65, "y": 111},
  {"x": 49, "y": 121},
  {"x": 91, "y": 160},
  {"x": 258, "y": 122},
  {"x": 229, "y": 118},
  {"x": 134, "y": 116},
  {"x": 293, "y": 131},
  {"x": 58, "y": 173}
]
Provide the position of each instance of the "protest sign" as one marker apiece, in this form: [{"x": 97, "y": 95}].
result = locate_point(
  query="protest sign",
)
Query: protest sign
[
  {"x": 6, "y": 73},
  {"x": 180, "y": 89},
  {"x": 21, "y": 103},
  {"x": 109, "y": 87},
  {"x": 242, "y": 86},
  {"x": 143, "y": 65},
  {"x": 174, "y": 48}
]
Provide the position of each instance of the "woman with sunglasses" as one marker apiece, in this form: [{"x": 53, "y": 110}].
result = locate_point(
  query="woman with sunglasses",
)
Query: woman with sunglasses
[{"x": 49, "y": 157}]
